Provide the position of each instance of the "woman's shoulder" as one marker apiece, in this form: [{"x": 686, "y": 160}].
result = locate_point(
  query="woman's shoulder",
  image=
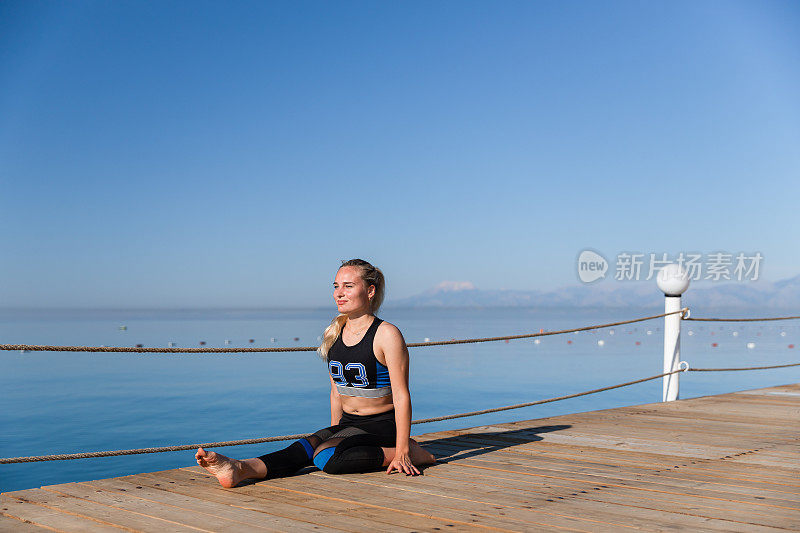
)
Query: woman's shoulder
[
  {"x": 389, "y": 340},
  {"x": 387, "y": 330}
]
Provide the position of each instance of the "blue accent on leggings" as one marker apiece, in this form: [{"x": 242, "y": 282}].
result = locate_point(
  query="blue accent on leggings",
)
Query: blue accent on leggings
[
  {"x": 308, "y": 447},
  {"x": 322, "y": 457}
]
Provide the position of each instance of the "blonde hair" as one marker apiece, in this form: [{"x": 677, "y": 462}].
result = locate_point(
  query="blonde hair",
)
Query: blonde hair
[{"x": 371, "y": 276}]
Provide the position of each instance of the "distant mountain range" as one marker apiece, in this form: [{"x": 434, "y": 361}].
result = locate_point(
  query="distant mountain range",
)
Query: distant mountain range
[{"x": 784, "y": 294}]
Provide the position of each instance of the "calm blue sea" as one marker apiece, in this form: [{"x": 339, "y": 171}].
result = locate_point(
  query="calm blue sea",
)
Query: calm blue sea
[{"x": 72, "y": 402}]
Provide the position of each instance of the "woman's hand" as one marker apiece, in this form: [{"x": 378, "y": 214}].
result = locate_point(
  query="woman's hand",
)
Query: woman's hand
[{"x": 402, "y": 463}]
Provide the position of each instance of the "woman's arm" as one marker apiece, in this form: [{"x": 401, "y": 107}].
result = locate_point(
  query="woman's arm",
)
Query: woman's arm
[
  {"x": 396, "y": 354},
  {"x": 336, "y": 404}
]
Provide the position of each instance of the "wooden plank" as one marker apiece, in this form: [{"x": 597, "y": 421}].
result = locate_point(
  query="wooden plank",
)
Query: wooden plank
[
  {"x": 708, "y": 411},
  {"x": 774, "y": 415},
  {"x": 660, "y": 461},
  {"x": 29, "y": 509},
  {"x": 363, "y": 508},
  {"x": 657, "y": 427},
  {"x": 561, "y": 465},
  {"x": 639, "y": 511},
  {"x": 114, "y": 510},
  {"x": 550, "y": 486},
  {"x": 618, "y": 460},
  {"x": 548, "y": 476},
  {"x": 476, "y": 497},
  {"x": 763, "y": 398},
  {"x": 15, "y": 525},
  {"x": 379, "y": 509},
  {"x": 704, "y": 475},
  {"x": 126, "y": 510},
  {"x": 538, "y": 466},
  {"x": 671, "y": 502},
  {"x": 314, "y": 487},
  {"x": 670, "y": 429},
  {"x": 415, "y": 494},
  {"x": 599, "y": 482},
  {"x": 671, "y": 443},
  {"x": 710, "y": 407},
  {"x": 568, "y": 494},
  {"x": 266, "y": 500},
  {"x": 790, "y": 390},
  {"x": 673, "y": 487},
  {"x": 401, "y": 505},
  {"x": 679, "y": 418},
  {"x": 531, "y": 435},
  {"x": 711, "y": 417},
  {"x": 636, "y": 444},
  {"x": 257, "y": 521}
]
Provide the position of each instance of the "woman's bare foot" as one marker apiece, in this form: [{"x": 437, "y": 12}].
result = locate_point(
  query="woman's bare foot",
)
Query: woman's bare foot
[
  {"x": 229, "y": 472},
  {"x": 419, "y": 455}
]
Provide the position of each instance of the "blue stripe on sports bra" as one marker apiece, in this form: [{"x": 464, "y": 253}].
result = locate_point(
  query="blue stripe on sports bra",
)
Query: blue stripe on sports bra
[{"x": 383, "y": 375}]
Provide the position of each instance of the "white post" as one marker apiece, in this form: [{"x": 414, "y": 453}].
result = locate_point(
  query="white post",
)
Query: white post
[
  {"x": 672, "y": 348},
  {"x": 672, "y": 279}
]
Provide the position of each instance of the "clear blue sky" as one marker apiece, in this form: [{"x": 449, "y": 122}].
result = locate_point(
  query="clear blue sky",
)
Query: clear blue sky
[{"x": 231, "y": 154}]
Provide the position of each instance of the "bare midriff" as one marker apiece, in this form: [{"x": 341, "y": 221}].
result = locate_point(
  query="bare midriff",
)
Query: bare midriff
[{"x": 366, "y": 406}]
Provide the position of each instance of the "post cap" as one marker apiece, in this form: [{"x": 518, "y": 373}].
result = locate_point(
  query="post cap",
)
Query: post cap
[{"x": 673, "y": 280}]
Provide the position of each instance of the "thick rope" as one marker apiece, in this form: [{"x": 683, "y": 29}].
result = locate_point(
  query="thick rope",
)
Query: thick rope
[
  {"x": 742, "y": 319},
  {"x": 124, "y": 349},
  {"x": 87, "y": 455},
  {"x": 546, "y": 333},
  {"x": 740, "y": 368},
  {"x": 44, "y": 348},
  {"x": 548, "y": 400}
]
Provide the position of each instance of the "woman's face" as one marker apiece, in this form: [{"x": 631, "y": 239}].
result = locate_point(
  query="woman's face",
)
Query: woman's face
[{"x": 350, "y": 291}]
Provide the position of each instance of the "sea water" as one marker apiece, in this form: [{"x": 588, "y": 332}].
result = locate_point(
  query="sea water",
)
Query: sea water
[{"x": 67, "y": 402}]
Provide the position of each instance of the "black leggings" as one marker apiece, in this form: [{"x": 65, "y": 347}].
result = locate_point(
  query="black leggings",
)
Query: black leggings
[{"x": 359, "y": 451}]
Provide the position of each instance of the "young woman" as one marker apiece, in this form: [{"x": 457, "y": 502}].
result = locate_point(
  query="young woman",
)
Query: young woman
[{"x": 370, "y": 402}]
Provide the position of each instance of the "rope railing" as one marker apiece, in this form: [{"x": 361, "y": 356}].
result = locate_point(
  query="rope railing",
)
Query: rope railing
[
  {"x": 183, "y": 447},
  {"x": 45, "y": 348},
  {"x": 742, "y": 319},
  {"x": 682, "y": 312},
  {"x": 742, "y": 368}
]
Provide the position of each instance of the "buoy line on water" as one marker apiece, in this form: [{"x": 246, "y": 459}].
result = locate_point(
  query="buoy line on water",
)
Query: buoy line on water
[{"x": 141, "y": 349}]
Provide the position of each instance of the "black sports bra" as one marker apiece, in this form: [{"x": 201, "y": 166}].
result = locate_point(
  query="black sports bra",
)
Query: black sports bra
[{"x": 355, "y": 370}]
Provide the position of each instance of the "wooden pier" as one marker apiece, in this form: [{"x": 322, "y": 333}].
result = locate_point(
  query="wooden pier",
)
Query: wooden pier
[{"x": 717, "y": 463}]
